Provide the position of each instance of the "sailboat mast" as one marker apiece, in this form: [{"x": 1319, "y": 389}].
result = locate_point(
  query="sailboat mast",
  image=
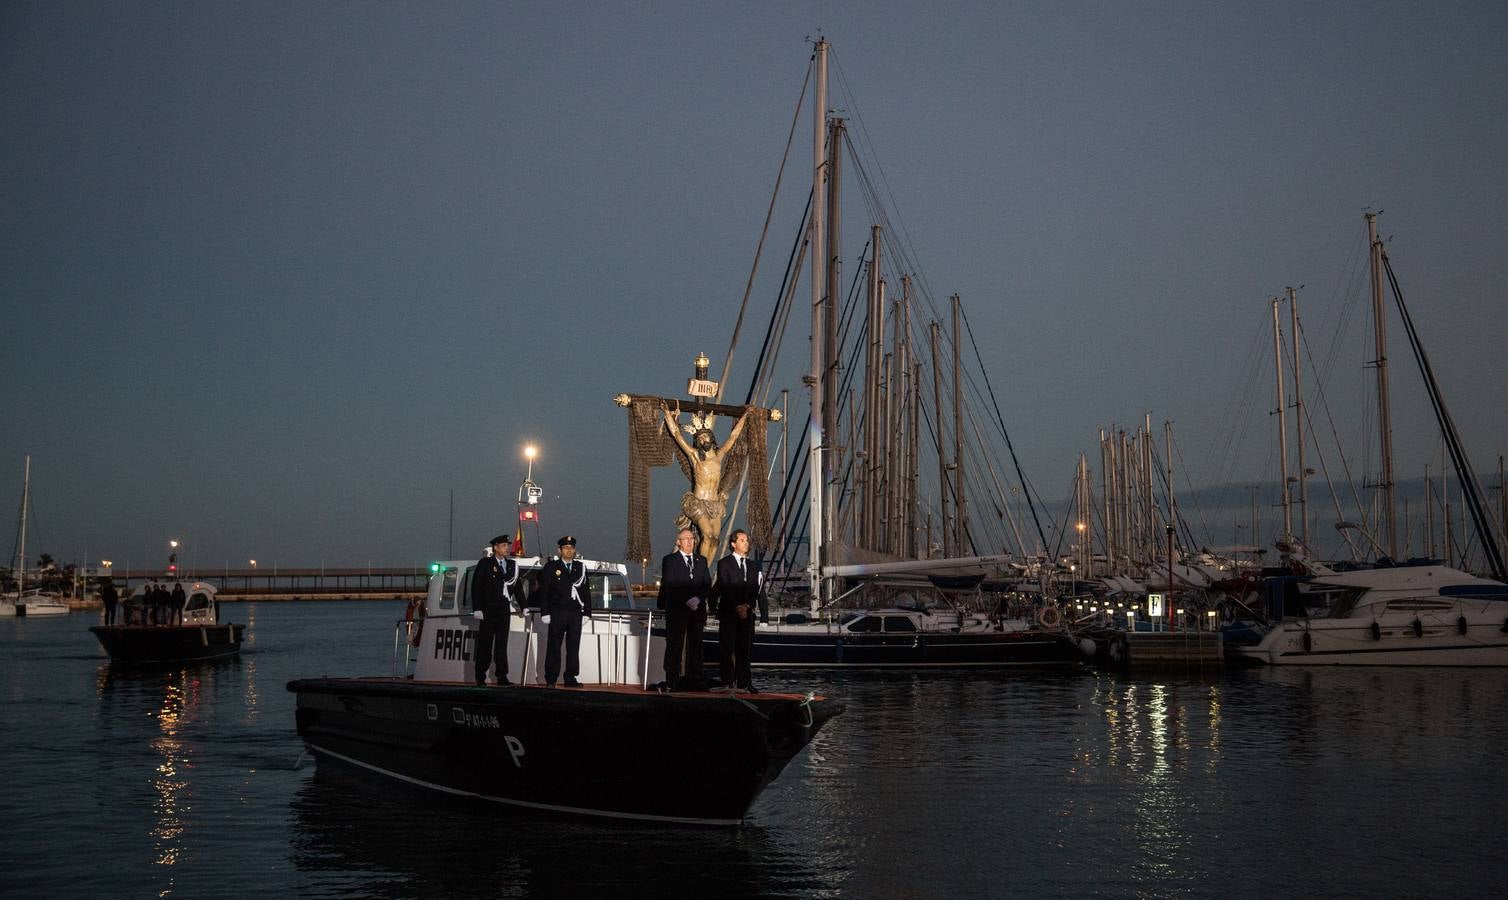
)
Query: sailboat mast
[
  {"x": 1384, "y": 406},
  {"x": 817, "y": 432},
  {"x": 1277, "y": 351},
  {"x": 874, "y": 338},
  {"x": 960, "y": 525},
  {"x": 942, "y": 461},
  {"x": 830, "y": 324},
  {"x": 21, "y": 551},
  {"x": 1167, "y": 437},
  {"x": 1298, "y": 416}
]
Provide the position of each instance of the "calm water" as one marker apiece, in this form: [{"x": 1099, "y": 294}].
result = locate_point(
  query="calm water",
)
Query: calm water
[{"x": 1362, "y": 783}]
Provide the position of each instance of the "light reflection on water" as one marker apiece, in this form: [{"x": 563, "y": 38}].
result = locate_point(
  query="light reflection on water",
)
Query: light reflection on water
[{"x": 935, "y": 784}]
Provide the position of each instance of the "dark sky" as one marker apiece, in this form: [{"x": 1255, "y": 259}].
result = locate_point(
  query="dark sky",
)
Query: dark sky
[{"x": 276, "y": 278}]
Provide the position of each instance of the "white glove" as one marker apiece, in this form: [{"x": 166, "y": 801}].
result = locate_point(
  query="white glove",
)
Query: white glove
[
  {"x": 545, "y": 619},
  {"x": 477, "y": 615},
  {"x": 694, "y": 604}
]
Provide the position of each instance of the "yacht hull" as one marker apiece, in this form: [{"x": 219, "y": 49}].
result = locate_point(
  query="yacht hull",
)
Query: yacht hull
[
  {"x": 818, "y": 648},
  {"x": 607, "y": 751},
  {"x": 1357, "y": 644}
]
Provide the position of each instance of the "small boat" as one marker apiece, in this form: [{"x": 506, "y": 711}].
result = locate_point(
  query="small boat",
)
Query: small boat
[
  {"x": 1403, "y": 616},
  {"x": 36, "y": 602},
  {"x": 202, "y": 636},
  {"x": 698, "y": 758},
  {"x": 905, "y": 638}
]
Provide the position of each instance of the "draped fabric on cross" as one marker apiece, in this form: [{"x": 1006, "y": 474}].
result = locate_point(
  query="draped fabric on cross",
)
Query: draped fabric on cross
[{"x": 650, "y": 445}]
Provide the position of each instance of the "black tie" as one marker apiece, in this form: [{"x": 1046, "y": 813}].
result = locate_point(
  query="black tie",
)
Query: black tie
[
  {"x": 688, "y": 565},
  {"x": 742, "y": 572}
]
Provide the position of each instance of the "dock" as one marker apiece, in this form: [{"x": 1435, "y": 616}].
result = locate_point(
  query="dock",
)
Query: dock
[{"x": 1174, "y": 649}]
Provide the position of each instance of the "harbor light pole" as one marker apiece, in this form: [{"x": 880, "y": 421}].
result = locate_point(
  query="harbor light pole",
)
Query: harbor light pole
[{"x": 529, "y": 495}]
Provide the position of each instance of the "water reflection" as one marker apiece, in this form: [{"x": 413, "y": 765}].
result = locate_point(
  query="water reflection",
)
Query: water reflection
[
  {"x": 352, "y": 833},
  {"x": 179, "y": 703}
]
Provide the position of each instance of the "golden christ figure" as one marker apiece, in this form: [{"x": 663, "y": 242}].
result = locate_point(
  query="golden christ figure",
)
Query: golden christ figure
[{"x": 707, "y": 502}]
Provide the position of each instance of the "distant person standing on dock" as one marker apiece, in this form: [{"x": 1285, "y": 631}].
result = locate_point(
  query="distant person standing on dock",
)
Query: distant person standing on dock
[
  {"x": 491, "y": 596},
  {"x": 178, "y": 600},
  {"x": 739, "y": 584},
  {"x": 109, "y": 598},
  {"x": 685, "y": 586},
  {"x": 565, "y": 596}
]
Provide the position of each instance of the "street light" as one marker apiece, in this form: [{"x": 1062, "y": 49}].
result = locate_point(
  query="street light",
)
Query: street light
[
  {"x": 529, "y": 453},
  {"x": 253, "y": 563}
]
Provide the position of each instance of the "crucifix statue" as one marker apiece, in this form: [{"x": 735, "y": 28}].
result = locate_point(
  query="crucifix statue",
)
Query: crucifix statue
[
  {"x": 655, "y": 433},
  {"x": 707, "y": 502}
]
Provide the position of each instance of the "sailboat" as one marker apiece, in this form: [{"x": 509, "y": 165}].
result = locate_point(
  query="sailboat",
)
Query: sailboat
[
  {"x": 1429, "y": 615},
  {"x": 35, "y": 602},
  {"x": 872, "y": 566}
]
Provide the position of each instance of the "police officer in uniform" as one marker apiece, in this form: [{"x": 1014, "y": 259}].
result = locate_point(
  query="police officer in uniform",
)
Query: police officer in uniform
[
  {"x": 685, "y": 586},
  {"x": 565, "y": 596},
  {"x": 737, "y": 594},
  {"x": 492, "y": 596}
]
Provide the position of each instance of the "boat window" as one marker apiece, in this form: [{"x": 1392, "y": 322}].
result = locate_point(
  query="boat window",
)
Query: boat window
[
  {"x": 865, "y": 624},
  {"x": 611, "y": 591},
  {"x": 523, "y": 588},
  {"x": 198, "y": 601},
  {"x": 1343, "y": 602},
  {"x": 444, "y": 583},
  {"x": 899, "y": 623},
  {"x": 463, "y": 590}
]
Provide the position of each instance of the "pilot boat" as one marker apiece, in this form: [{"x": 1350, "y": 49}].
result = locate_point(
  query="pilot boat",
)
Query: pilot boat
[
  {"x": 696, "y": 758},
  {"x": 202, "y": 636}
]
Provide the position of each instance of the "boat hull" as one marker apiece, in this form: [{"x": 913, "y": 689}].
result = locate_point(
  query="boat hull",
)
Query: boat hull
[
  {"x": 148, "y": 644},
  {"x": 1354, "y": 643},
  {"x": 835, "y": 650},
  {"x": 608, "y": 751}
]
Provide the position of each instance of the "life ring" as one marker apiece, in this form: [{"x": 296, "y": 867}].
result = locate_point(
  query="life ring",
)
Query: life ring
[
  {"x": 415, "y": 613},
  {"x": 1049, "y": 617}
]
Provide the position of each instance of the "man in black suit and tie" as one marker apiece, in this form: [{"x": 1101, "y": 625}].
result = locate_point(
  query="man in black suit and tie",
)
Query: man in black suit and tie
[
  {"x": 492, "y": 597},
  {"x": 685, "y": 587},
  {"x": 739, "y": 584},
  {"x": 566, "y": 596}
]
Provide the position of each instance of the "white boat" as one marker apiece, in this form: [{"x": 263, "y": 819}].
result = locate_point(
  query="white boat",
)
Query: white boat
[
  {"x": 34, "y": 602},
  {"x": 1408, "y": 616},
  {"x": 37, "y": 602}
]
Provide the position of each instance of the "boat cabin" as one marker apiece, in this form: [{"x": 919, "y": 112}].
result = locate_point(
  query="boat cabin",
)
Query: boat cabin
[
  {"x": 198, "y": 609},
  {"x": 440, "y": 645}
]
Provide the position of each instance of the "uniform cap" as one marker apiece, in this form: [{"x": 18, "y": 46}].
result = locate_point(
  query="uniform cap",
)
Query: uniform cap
[
  {"x": 568, "y": 539},
  {"x": 501, "y": 539}
]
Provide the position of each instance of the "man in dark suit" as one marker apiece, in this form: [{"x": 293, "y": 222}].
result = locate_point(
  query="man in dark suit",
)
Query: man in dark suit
[
  {"x": 109, "y": 597},
  {"x": 565, "y": 596},
  {"x": 685, "y": 588},
  {"x": 492, "y": 599},
  {"x": 739, "y": 585}
]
